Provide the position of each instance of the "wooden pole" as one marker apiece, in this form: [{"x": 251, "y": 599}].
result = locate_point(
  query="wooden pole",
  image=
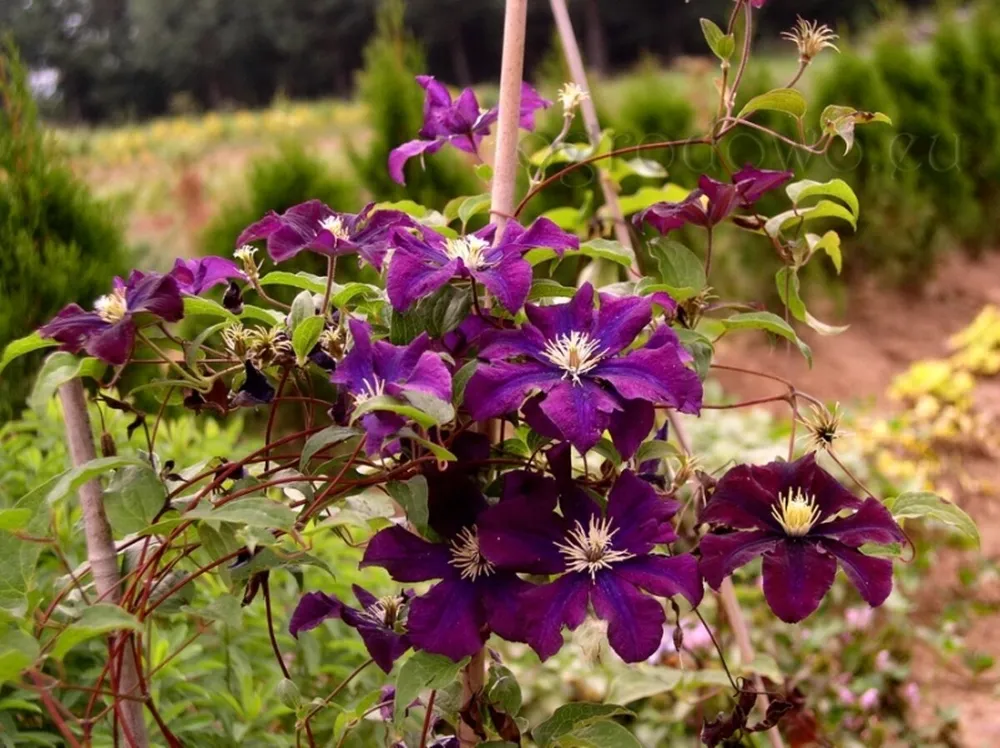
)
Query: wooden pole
[
  {"x": 564, "y": 25},
  {"x": 102, "y": 557}
]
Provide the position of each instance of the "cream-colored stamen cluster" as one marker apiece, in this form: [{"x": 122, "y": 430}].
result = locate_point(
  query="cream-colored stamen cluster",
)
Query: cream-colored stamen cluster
[
  {"x": 375, "y": 387},
  {"x": 796, "y": 512},
  {"x": 246, "y": 255},
  {"x": 571, "y": 96},
  {"x": 385, "y": 610},
  {"x": 471, "y": 250},
  {"x": 112, "y": 308},
  {"x": 576, "y": 354},
  {"x": 335, "y": 225},
  {"x": 811, "y": 38},
  {"x": 590, "y": 550},
  {"x": 467, "y": 558}
]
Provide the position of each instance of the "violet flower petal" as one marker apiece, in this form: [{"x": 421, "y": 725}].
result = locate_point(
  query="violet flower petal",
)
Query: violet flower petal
[
  {"x": 635, "y": 621},
  {"x": 509, "y": 280},
  {"x": 549, "y": 607},
  {"x": 448, "y": 620},
  {"x": 411, "y": 277},
  {"x": 407, "y": 557},
  {"x": 580, "y": 411},
  {"x": 665, "y": 576},
  {"x": 797, "y": 575},
  {"x": 872, "y": 523},
  {"x": 721, "y": 555},
  {"x": 313, "y": 608},
  {"x": 870, "y": 575},
  {"x": 631, "y": 425},
  {"x": 400, "y": 155},
  {"x": 500, "y": 388}
]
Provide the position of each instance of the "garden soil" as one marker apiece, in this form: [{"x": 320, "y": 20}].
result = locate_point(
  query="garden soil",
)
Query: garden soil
[{"x": 888, "y": 332}]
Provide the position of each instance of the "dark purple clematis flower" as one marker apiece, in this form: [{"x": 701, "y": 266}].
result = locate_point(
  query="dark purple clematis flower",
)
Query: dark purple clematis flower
[
  {"x": 378, "y": 621},
  {"x": 378, "y": 368},
  {"x": 605, "y": 559},
  {"x": 421, "y": 266},
  {"x": 455, "y": 617},
  {"x": 713, "y": 202},
  {"x": 194, "y": 277},
  {"x": 461, "y": 122},
  {"x": 108, "y": 332},
  {"x": 255, "y": 390},
  {"x": 790, "y": 512},
  {"x": 572, "y": 356},
  {"x": 315, "y": 227}
]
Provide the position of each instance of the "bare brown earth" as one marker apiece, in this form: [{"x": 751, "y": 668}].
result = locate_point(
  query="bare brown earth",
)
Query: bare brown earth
[{"x": 890, "y": 331}]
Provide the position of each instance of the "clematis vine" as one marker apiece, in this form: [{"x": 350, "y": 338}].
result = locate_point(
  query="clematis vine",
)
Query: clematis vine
[
  {"x": 713, "y": 202},
  {"x": 605, "y": 558},
  {"x": 375, "y": 368},
  {"x": 314, "y": 227},
  {"x": 379, "y": 621},
  {"x": 471, "y": 596},
  {"x": 194, "y": 277},
  {"x": 108, "y": 332},
  {"x": 461, "y": 123},
  {"x": 803, "y": 522},
  {"x": 571, "y": 371},
  {"x": 420, "y": 266}
]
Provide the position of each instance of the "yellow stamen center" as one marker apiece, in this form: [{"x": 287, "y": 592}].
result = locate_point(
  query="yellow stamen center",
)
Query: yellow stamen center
[
  {"x": 590, "y": 550},
  {"x": 796, "y": 512},
  {"x": 576, "y": 354},
  {"x": 112, "y": 307},
  {"x": 467, "y": 558},
  {"x": 335, "y": 225}
]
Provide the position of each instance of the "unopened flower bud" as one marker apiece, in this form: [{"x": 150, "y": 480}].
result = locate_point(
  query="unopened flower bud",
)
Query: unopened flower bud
[
  {"x": 108, "y": 448},
  {"x": 233, "y": 298},
  {"x": 289, "y": 695}
]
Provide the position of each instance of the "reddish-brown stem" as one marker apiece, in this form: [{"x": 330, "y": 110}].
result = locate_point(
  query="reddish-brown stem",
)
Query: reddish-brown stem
[
  {"x": 53, "y": 710},
  {"x": 274, "y": 409},
  {"x": 266, "y": 589},
  {"x": 427, "y": 719}
]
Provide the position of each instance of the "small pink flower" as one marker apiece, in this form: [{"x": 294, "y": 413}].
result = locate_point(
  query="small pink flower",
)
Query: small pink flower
[
  {"x": 911, "y": 692},
  {"x": 858, "y": 618},
  {"x": 869, "y": 699},
  {"x": 883, "y": 661}
]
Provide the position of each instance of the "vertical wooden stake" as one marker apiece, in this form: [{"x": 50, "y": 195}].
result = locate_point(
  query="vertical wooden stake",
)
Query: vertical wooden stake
[
  {"x": 574, "y": 60},
  {"x": 101, "y": 555}
]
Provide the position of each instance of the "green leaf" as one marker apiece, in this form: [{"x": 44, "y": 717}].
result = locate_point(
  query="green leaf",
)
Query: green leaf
[
  {"x": 546, "y": 288},
  {"x": 392, "y": 405},
  {"x": 722, "y": 45},
  {"x": 835, "y": 188},
  {"x": 445, "y": 310},
  {"x": 440, "y": 410},
  {"x": 70, "y": 481},
  {"x": 196, "y": 306},
  {"x": 926, "y": 505},
  {"x": 267, "y": 316},
  {"x": 412, "y": 496},
  {"x": 571, "y": 717},
  {"x": 14, "y": 520},
  {"x": 769, "y": 322},
  {"x": 22, "y": 346},
  {"x": 473, "y": 206},
  {"x": 302, "y": 281},
  {"x": 403, "y": 328},
  {"x": 460, "y": 380},
  {"x": 442, "y": 453},
  {"x": 840, "y": 121},
  {"x": 681, "y": 270},
  {"x": 18, "y": 559},
  {"x": 829, "y": 243},
  {"x": 95, "y": 620},
  {"x": 58, "y": 369},
  {"x": 503, "y": 689},
  {"x": 787, "y": 100},
  {"x": 597, "y": 249},
  {"x": 646, "y": 196},
  {"x": 566, "y": 218},
  {"x": 787, "y": 281},
  {"x": 225, "y": 609},
  {"x": 255, "y": 511},
  {"x": 798, "y": 217},
  {"x": 422, "y": 672},
  {"x": 326, "y": 438},
  {"x": 303, "y": 308},
  {"x": 305, "y": 337},
  {"x": 602, "y": 734},
  {"x": 18, "y": 651},
  {"x": 134, "y": 496},
  {"x": 655, "y": 450},
  {"x": 643, "y": 167},
  {"x": 641, "y": 682},
  {"x": 342, "y": 295},
  {"x": 700, "y": 347}
]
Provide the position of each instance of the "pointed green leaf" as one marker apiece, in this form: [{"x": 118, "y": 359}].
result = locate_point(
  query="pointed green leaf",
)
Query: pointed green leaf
[
  {"x": 70, "y": 481},
  {"x": 95, "y": 620},
  {"x": 571, "y": 717},
  {"x": 925, "y": 505},
  {"x": 302, "y": 281},
  {"x": 768, "y": 322},
  {"x": 681, "y": 270},
  {"x": 133, "y": 497},
  {"x": 423, "y": 671},
  {"x": 836, "y": 188},
  {"x": 787, "y": 100},
  {"x": 58, "y": 369},
  {"x": 255, "y": 511},
  {"x": 305, "y": 337},
  {"x": 326, "y": 438},
  {"x": 22, "y": 346},
  {"x": 722, "y": 45}
]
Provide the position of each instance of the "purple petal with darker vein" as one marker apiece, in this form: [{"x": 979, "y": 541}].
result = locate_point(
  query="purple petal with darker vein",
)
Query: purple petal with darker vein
[
  {"x": 520, "y": 534},
  {"x": 549, "y": 607},
  {"x": 753, "y": 183},
  {"x": 383, "y": 643},
  {"x": 290, "y": 233},
  {"x": 197, "y": 276},
  {"x": 631, "y": 425},
  {"x": 542, "y": 233},
  {"x": 464, "y": 114},
  {"x": 871, "y": 576},
  {"x": 430, "y": 375},
  {"x": 635, "y": 621},
  {"x": 620, "y": 319},
  {"x": 72, "y": 327},
  {"x": 577, "y": 315},
  {"x": 501, "y": 594},
  {"x": 448, "y": 620},
  {"x": 399, "y": 156},
  {"x": 411, "y": 277},
  {"x": 312, "y": 610},
  {"x": 742, "y": 501},
  {"x": 665, "y": 576},
  {"x": 655, "y": 375},
  {"x": 500, "y": 388},
  {"x": 365, "y": 598},
  {"x": 641, "y": 515},
  {"x": 872, "y": 523},
  {"x": 113, "y": 344},
  {"x": 437, "y": 101},
  {"x": 797, "y": 575},
  {"x": 580, "y": 411},
  {"x": 531, "y": 102},
  {"x": 509, "y": 280},
  {"x": 831, "y": 497},
  {"x": 154, "y": 293},
  {"x": 722, "y": 199},
  {"x": 407, "y": 557},
  {"x": 721, "y": 555}
]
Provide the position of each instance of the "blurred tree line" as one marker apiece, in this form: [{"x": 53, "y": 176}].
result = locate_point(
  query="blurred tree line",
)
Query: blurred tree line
[{"x": 122, "y": 59}]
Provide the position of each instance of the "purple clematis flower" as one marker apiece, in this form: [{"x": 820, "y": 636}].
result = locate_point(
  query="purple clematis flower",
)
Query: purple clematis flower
[
  {"x": 372, "y": 369},
  {"x": 421, "y": 266},
  {"x": 109, "y": 331},
  {"x": 790, "y": 512},
  {"x": 194, "y": 277},
  {"x": 315, "y": 227},
  {"x": 461, "y": 122},
  {"x": 377, "y": 621},
  {"x": 713, "y": 202},
  {"x": 604, "y": 558},
  {"x": 455, "y": 617},
  {"x": 572, "y": 356}
]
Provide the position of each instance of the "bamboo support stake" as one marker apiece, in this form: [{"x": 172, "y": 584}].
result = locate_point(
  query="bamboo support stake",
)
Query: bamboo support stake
[
  {"x": 505, "y": 164},
  {"x": 564, "y": 25},
  {"x": 101, "y": 553},
  {"x": 731, "y": 606}
]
